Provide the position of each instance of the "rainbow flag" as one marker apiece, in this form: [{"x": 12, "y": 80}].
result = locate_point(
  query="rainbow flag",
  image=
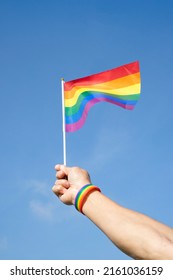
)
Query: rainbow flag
[{"x": 119, "y": 86}]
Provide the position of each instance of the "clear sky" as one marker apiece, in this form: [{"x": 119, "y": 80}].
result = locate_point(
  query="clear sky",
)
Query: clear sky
[{"x": 128, "y": 153}]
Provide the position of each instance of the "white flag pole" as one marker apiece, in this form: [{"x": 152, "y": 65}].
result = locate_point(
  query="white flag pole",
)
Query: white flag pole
[{"x": 63, "y": 122}]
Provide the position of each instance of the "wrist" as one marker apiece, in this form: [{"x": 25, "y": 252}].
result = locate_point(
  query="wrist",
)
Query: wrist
[
  {"x": 83, "y": 194},
  {"x": 77, "y": 188}
]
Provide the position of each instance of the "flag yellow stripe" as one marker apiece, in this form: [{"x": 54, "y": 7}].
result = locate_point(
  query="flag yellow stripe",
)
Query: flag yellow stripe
[{"x": 134, "y": 89}]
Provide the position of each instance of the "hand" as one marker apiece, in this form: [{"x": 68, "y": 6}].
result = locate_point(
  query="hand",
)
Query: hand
[{"x": 70, "y": 181}]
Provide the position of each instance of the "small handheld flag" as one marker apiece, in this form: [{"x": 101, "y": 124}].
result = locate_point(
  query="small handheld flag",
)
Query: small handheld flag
[{"x": 120, "y": 86}]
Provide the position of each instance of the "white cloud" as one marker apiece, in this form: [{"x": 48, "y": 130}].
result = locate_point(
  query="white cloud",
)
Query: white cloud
[
  {"x": 38, "y": 186},
  {"x": 44, "y": 211},
  {"x": 41, "y": 204},
  {"x": 54, "y": 212}
]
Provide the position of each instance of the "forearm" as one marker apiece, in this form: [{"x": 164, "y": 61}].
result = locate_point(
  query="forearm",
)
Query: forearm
[{"x": 135, "y": 234}]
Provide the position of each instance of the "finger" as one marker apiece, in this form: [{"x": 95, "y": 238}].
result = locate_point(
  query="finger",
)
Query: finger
[
  {"x": 61, "y": 174},
  {"x": 64, "y": 183},
  {"x": 57, "y": 167},
  {"x": 59, "y": 190},
  {"x": 63, "y": 168}
]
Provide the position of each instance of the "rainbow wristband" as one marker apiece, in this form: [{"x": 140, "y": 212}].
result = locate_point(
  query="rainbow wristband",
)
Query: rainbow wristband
[{"x": 83, "y": 194}]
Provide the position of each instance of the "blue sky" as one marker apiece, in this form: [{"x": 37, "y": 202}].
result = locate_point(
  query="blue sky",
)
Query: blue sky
[{"x": 128, "y": 154}]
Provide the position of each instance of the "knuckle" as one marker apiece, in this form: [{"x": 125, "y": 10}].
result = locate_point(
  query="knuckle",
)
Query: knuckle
[{"x": 76, "y": 169}]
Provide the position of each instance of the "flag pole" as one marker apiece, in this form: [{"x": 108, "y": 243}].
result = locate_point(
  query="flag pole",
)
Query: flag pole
[{"x": 63, "y": 122}]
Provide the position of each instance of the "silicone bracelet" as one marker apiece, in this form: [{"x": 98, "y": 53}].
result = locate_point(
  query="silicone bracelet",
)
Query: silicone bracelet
[{"x": 83, "y": 194}]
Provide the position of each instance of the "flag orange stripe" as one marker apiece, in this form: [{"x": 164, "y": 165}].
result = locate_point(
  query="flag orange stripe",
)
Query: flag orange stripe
[{"x": 114, "y": 84}]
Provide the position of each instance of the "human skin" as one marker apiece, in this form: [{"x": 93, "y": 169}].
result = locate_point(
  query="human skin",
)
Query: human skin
[{"x": 137, "y": 235}]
